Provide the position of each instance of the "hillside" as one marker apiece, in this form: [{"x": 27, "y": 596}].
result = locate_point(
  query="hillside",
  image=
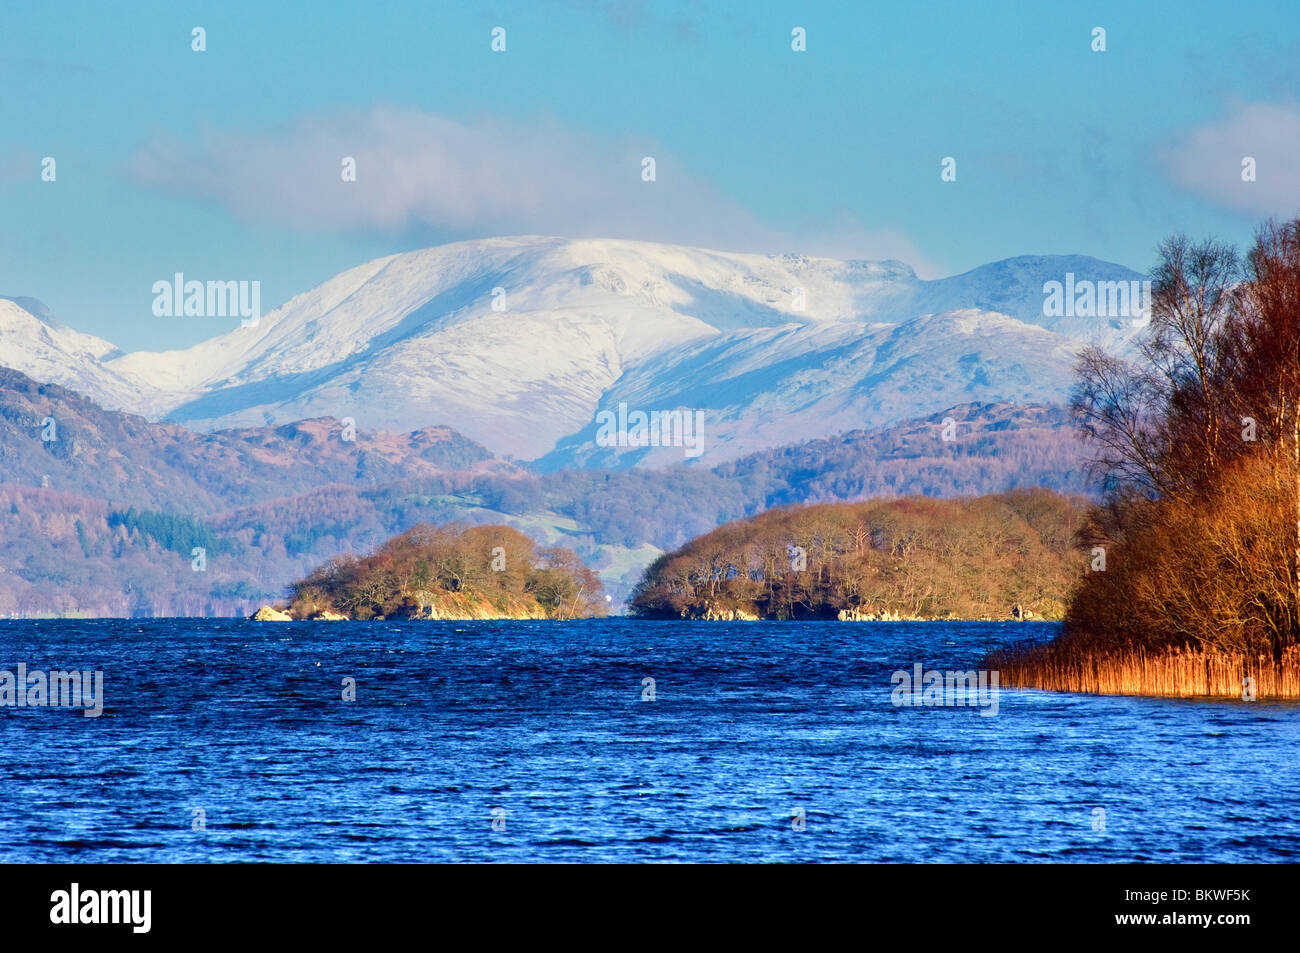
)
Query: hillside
[
  {"x": 126, "y": 458},
  {"x": 267, "y": 504},
  {"x": 913, "y": 558}
]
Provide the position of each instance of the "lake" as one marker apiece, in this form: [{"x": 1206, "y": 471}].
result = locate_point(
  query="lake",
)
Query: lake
[{"x": 224, "y": 740}]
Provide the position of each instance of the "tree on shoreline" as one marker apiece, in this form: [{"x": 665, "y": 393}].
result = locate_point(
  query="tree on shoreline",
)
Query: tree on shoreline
[{"x": 1198, "y": 455}]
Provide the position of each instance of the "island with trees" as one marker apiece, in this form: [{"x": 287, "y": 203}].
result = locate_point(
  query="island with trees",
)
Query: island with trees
[
  {"x": 449, "y": 572},
  {"x": 1001, "y": 556}
]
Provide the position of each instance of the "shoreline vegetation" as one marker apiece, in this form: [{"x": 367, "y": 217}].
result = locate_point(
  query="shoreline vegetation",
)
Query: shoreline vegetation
[
  {"x": 1182, "y": 673},
  {"x": 1193, "y": 585},
  {"x": 452, "y": 572}
]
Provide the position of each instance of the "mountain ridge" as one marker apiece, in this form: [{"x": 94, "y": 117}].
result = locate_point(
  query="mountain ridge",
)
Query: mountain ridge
[{"x": 521, "y": 341}]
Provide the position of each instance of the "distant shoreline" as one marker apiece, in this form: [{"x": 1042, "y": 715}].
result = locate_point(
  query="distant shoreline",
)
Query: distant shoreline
[{"x": 516, "y": 618}]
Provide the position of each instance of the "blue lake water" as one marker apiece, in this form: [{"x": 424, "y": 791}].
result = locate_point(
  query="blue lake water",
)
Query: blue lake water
[{"x": 543, "y": 727}]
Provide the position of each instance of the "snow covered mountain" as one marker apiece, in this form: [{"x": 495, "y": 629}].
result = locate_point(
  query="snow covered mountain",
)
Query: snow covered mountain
[
  {"x": 34, "y": 342},
  {"x": 520, "y": 343},
  {"x": 828, "y": 379}
]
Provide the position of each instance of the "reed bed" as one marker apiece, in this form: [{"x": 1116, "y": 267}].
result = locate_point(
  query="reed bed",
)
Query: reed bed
[{"x": 1185, "y": 672}]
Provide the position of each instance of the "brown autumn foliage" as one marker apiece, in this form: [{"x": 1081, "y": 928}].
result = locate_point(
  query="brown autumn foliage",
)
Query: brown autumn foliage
[
  {"x": 1213, "y": 575},
  {"x": 1199, "y": 454},
  {"x": 496, "y": 568},
  {"x": 916, "y": 557}
]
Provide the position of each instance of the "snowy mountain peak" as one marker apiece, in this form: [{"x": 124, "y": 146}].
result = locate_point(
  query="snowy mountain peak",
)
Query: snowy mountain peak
[
  {"x": 519, "y": 342},
  {"x": 33, "y": 342}
]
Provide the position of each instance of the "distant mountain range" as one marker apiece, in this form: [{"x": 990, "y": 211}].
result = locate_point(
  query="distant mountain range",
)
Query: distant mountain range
[
  {"x": 471, "y": 383},
  {"x": 520, "y": 343}
]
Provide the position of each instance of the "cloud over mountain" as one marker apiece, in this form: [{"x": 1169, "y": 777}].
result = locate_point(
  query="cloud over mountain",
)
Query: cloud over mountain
[
  {"x": 1208, "y": 160},
  {"x": 443, "y": 179}
]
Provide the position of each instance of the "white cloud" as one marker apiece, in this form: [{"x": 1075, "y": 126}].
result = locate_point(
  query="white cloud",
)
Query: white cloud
[
  {"x": 416, "y": 169},
  {"x": 1208, "y": 160},
  {"x": 445, "y": 179}
]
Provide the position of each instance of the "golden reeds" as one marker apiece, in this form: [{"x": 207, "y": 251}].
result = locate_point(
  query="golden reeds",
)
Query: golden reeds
[{"x": 1183, "y": 672}]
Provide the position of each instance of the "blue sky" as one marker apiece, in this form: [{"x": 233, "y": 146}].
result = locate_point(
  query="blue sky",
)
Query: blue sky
[{"x": 225, "y": 164}]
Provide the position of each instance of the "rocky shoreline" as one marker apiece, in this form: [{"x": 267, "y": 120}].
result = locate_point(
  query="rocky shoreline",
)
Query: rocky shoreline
[
  {"x": 710, "y": 612},
  {"x": 430, "y": 613},
  {"x": 479, "y": 612}
]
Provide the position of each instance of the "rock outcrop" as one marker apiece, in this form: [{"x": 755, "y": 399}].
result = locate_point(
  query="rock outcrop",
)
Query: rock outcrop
[
  {"x": 270, "y": 614},
  {"x": 711, "y": 613},
  {"x": 859, "y": 614}
]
